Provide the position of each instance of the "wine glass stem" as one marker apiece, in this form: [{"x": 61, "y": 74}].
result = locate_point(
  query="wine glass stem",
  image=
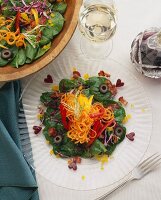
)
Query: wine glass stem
[{"x": 96, "y": 50}]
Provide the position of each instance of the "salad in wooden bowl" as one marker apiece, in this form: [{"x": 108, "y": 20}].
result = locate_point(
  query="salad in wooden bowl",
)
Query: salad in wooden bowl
[{"x": 33, "y": 33}]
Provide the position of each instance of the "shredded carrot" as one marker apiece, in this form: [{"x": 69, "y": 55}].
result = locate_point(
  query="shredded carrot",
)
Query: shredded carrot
[
  {"x": 82, "y": 115},
  {"x": 10, "y": 38}
]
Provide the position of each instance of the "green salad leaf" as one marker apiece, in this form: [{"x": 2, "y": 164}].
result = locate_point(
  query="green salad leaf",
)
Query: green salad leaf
[
  {"x": 20, "y": 58},
  {"x": 42, "y": 50},
  {"x": 30, "y": 53},
  {"x": 56, "y": 22},
  {"x": 97, "y": 148},
  {"x": 14, "y": 51},
  {"x": 3, "y": 62},
  {"x": 48, "y": 32},
  {"x": 60, "y": 7},
  {"x": 94, "y": 84},
  {"x": 46, "y": 97},
  {"x": 67, "y": 85}
]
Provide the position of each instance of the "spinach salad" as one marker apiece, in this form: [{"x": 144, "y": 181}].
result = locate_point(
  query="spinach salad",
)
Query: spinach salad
[
  {"x": 27, "y": 28},
  {"x": 82, "y": 118}
]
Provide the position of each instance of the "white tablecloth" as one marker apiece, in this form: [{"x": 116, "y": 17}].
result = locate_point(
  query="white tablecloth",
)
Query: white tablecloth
[{"x": 133, "y": 17}]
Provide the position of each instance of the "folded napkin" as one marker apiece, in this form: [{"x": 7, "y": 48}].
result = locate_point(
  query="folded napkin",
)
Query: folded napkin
[{"x": 17, "y": 181}]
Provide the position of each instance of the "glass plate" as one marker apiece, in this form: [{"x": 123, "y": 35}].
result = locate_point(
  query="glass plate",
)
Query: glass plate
[{"x": 127, "y": 154}]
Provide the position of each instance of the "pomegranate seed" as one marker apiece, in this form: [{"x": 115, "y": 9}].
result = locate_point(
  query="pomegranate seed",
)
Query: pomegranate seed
[
  {"x": 75, "y": 167},
  {"x": 123, "y": 101},
  {"x": 70, "y": 165},
  {"x": 37, "y": 129},
  {"x": 130, "y": 136},
  {"x": 102, "y": 73},
  {"x": 119, "y": 83},
  {"x": 78, "y": 160},
  {"x": 52, "y": 131},
  {"x": 76, "y": 74},
  {"x": 48, "y": 79}
]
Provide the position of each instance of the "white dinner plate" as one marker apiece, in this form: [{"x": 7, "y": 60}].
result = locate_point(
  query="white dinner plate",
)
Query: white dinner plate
[{"x": 127, "y": 154}]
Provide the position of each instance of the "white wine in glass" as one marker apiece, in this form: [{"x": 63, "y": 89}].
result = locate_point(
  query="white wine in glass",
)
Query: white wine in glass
[{"x": 97, "y": 22}]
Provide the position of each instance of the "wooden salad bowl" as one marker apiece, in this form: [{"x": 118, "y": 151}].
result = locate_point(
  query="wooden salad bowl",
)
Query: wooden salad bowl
[{"x": 8, "y": 72}]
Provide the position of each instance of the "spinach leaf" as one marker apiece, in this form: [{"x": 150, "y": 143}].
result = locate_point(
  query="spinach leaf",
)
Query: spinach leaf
[
  {"x": 98, "y": 96},
  {"x": 57, "y": 116},
  {"x": 94, "y": 83},
  {"x": 20, "y": 58},
  {"x": 66, "y": 85},
  {"x": 119, "y": 114},
  {"x": 48, "y": 122},
  {"x": 87, "y": 154},
  {"x": 48, "y": 112},
  {"x": 46, "y": 97},
  {"x": 47, "y": 137},
  {"x": 30, "y": 52},
  {"x": 110, "y": 149},
  {"x": 57, "y": 22},
  {"x": 60, "y": 128},
  {"x": 60, "y": 7},
  {"x": 42, "y": 50},
  {"x": 14, "y": 51},
  {"x": 48, "y": 32},
  {"x": 44, "y": 40},
  {"x": 86, "y": 92},
  {"x": 97, "y": 148},
  {"x": 69, "y": 148},
  {"x": 3, "y": 62}
]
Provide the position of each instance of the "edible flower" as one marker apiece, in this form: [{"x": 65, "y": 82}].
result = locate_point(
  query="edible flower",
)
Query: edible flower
[{"x": 84, "y": 102}]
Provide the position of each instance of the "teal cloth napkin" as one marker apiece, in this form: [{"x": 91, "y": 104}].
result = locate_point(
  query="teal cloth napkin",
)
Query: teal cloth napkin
[{"x": 17, "y": 181}]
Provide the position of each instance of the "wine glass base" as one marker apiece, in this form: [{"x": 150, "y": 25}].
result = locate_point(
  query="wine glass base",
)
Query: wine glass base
[{"x": 96, "y": 50}]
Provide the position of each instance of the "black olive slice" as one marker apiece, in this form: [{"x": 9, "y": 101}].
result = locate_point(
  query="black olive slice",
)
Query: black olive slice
[
  {"x": 6, "y": 54},
  {"x": 103, "y": 88},
  {"x": 118, "y": 131},
  {"x": 57, "y": 139}
]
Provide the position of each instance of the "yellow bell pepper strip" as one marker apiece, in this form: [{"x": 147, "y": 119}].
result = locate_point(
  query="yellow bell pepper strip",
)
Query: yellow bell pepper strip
[
  {"x": 35, "y": 13},
  {"x": 3, "y": 46},
  {"x": 24, "y": 18}
]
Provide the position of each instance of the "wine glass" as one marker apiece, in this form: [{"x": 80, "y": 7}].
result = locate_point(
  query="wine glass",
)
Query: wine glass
[{"x": 97, "y": 22}]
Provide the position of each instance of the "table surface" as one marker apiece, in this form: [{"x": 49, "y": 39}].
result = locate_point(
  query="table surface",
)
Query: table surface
[{"x": 134, "y": 16}]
